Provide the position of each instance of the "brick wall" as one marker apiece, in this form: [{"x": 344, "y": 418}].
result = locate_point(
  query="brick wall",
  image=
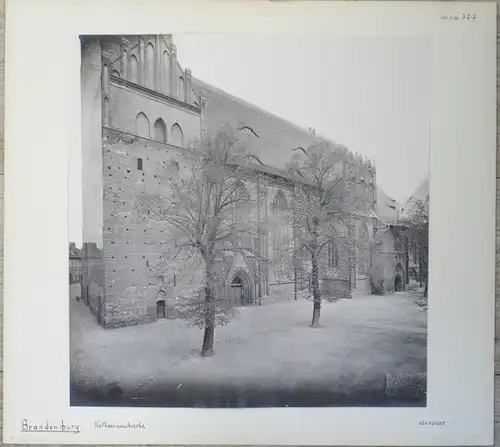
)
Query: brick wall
[{"x": 132, "y": 242}]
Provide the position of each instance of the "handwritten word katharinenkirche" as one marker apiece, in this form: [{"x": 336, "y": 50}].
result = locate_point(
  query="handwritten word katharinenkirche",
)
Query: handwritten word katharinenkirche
[
  {"x": 106, "y": 424},
  {"x": 49, "y": 427}
]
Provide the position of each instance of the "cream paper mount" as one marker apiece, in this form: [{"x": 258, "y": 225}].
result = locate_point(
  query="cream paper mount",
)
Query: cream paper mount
[{"x": 340, "y": 157}]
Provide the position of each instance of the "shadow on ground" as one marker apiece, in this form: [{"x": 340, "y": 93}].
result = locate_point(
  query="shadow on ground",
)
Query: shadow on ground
[{"x": 197, "y": 396}]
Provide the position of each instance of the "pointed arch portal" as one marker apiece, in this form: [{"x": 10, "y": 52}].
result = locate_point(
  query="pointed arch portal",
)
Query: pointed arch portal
[
  {"x": 399, "y": 284},
  {"x": 241, "y": 289}
]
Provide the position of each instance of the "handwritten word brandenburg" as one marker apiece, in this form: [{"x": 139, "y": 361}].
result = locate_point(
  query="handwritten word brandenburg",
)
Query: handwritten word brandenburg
[
  {"x": 49, "y": 427},
  {"x": 106, "y": 424}
]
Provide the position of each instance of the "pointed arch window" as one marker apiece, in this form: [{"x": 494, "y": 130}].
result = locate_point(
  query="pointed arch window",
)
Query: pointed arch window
[
  {"x": 239, "y": 199},
  {"x": 160, "y": 131},
  {"x": 281, "y": 236},
  {"x": 180, "y": 88},
  {"x": 150, "y": 66},
  {"x": 166, "y": 72},
  {"x": 142, "y": 125},
  {"x": 132, "y": 69},
  {"x": 177, "y": 136},
  {"x": 333, "y": 255}
]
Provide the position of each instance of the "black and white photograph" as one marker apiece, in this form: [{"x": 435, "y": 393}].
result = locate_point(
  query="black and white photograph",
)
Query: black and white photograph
[{"x": 249, "y": 222}]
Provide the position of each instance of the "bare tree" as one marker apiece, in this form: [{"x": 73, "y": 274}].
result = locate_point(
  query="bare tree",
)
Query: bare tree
[
  {"x": 323, "y": 210},
  {"x": 417, "y": 222},
  {"x": 205, "y": 211}
]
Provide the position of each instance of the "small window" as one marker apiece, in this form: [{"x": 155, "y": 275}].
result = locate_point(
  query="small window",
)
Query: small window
[{"x": 139, "y": 164}]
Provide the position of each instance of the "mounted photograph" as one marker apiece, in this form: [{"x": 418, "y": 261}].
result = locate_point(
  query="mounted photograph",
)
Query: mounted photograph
[{"x": 250, "y": 222}]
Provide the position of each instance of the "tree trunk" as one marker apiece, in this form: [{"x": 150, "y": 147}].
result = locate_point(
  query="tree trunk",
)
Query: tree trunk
[
  {"x": 207, "y": 349},
  {"x": 426, "y": 289},
  {"x": 316, "y": 292}
]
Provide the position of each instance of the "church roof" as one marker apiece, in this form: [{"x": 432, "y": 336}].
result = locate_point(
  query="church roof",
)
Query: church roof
[
  {"x": 270, "y": 137},
  {"x": 387, "y": 208}
]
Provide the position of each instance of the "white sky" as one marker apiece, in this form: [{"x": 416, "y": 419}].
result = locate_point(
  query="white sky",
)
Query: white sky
[{"x": 371, "y": 94}]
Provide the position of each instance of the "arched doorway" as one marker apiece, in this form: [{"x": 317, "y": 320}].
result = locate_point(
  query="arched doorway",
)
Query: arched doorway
[
  {"x": 398, "y": 283},
  {"x": 241, "y": 290},
  {"x": 161, "y": 305},
  {"x": 161, "y": 310}
]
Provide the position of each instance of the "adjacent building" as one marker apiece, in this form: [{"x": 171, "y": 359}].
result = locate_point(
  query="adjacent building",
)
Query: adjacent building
[{"x": 75, "y": 264}]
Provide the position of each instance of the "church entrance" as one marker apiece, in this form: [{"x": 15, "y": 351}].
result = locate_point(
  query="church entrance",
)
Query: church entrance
[
  {"x": 398, "y": 283},
  {"x": 161, "y": 311},
  {"x": 240, "y": 291}
]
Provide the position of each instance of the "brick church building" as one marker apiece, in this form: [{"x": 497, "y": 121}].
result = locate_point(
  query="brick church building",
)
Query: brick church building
[{"x": 140, "y": 111}]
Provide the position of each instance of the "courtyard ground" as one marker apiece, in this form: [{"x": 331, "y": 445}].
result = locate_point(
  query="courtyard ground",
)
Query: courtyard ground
[{"x": 268, "y": 354}]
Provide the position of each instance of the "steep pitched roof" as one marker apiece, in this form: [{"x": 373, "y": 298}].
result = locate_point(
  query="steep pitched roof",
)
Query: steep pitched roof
[
  {"x": 261, "y": 130},
  {"x": 387, "y": 208}
]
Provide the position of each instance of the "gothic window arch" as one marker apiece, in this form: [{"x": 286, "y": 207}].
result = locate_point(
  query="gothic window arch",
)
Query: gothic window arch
[
  {"x": 333, "y": 254},
  {"x": 115, "y": 73},
  {"x": 280, "y": 204},
  {"x": 166, "y": 71},
  {"x": 180, "y": 88},
  {"x": 132, "y": 69},
  {"x": 281, "y": 235},
  {"x": 142, "y": 125},
  {"x": 177, "y": 136},
  {"x": 160, "y": 131},
  {"x": 150, "y": 66},
  {"x": 239, "y": 196}
]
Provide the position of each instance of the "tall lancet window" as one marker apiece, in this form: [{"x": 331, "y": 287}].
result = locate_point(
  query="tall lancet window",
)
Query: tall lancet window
[
  {"x": 166, "y": 72},
  {"x": 142, "y": 126},
  {"x": 132, "y": 69},
  {"x": 177, "y": 136},
  {"x": 160, "y": 131},
  {"x": 240, "y": 199},
  {"x": 150, "y": 66},
  {"x": 180, "y": 88},
  {"x": 281, "y": 236}
]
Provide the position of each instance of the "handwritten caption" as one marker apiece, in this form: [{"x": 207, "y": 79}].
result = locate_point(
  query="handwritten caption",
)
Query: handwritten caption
[
  {"x": 49, "y": 427},
  {"x": 106, "y": 424},
  {"x": 469, "y": 17}
]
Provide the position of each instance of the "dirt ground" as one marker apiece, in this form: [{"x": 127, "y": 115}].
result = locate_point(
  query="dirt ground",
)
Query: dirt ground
[{"x": 266, "y": 354}]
